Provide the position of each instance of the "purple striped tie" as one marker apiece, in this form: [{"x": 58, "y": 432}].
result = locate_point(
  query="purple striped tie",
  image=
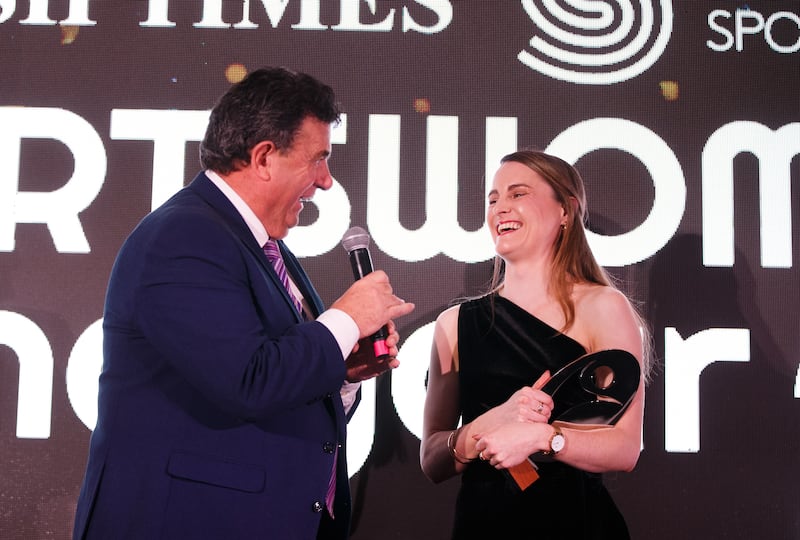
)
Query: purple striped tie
[
  {"x": 273, "y": 253},
  {"x": 329, "y": 496}
]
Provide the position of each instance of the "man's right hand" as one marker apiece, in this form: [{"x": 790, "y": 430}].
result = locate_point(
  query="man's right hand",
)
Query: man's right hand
[{"x": 371, "y": 303}]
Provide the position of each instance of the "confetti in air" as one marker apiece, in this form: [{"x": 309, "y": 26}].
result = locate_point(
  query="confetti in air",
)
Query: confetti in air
[
  {"x": 235, "y": 73},
  {"x": 69, "y": 34},
  {"x": 669, "y": 89},
  {"x": 422, "y": 105}
]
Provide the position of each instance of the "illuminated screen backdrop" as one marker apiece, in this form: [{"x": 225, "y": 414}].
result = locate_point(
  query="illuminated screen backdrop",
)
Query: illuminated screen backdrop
[{"x": 682, "y": 116}]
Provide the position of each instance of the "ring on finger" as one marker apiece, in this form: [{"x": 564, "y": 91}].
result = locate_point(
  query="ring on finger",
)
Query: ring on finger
[
  {"x": 480, "y": 455},
  {"x": 541, "y": 408}
]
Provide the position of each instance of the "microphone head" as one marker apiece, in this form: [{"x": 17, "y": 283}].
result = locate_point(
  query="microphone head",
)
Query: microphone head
[{"x": 355, "y": 238}]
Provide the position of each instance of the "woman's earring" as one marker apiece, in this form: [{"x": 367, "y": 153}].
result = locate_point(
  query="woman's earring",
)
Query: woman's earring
[{"x": 564, "y": 226}]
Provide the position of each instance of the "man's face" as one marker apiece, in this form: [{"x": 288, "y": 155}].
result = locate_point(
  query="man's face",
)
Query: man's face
[{"x": 295, "y": 175}]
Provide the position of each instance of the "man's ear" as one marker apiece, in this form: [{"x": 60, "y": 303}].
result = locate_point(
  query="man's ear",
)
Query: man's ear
[{"x": 261, "y": 158}]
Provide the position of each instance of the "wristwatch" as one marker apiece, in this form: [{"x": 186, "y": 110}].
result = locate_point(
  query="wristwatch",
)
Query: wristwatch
[{"x": 557, "y": 442}]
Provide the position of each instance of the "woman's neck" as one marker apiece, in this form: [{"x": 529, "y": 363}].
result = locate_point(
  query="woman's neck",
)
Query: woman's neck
[{"x": 527, "y": 284}]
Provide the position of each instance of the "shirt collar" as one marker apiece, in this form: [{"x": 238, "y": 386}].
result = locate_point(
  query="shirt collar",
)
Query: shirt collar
[{"x": 249, "y": 217}]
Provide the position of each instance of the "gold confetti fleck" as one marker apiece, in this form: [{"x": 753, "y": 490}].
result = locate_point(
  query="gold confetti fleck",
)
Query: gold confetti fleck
[
  {"x": 235, "y": 73},
  {"x": 68, "y": 34},
  {"x": 422, "y": 105},
  {"x": 669, "y": 89}
]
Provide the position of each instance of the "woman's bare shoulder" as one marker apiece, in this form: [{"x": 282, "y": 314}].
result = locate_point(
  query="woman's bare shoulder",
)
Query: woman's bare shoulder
[
  {"x": 600, "y": 298},
  {"x": 606, "y": 318}
]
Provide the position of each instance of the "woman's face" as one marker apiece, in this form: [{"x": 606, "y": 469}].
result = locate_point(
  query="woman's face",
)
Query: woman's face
[{"x": 524, "y": 216}]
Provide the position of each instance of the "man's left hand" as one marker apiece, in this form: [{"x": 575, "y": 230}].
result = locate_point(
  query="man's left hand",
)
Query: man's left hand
[{"x": 362, "y": 363}]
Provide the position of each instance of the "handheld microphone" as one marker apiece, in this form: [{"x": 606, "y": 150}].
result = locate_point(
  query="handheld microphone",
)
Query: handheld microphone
[{"x": 356, "y": 242}]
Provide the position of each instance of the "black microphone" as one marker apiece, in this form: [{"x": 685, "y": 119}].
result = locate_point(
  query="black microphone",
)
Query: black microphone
[{"x": 356, "y": 242}]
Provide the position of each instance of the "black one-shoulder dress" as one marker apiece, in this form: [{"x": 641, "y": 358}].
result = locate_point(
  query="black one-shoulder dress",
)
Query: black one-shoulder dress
[{"x": 501, "y": 348}]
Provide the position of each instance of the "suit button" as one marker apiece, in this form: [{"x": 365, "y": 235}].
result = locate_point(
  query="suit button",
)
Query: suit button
[
  {"x": 317, "y": 507},
  {"x": 328, "y": 447}
]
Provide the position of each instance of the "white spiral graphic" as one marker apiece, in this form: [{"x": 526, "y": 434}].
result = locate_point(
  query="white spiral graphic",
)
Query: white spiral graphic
[{"x": 591, "y": 42}]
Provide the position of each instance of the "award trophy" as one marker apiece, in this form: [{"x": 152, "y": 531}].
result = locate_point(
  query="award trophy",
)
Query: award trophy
[{"x": 600, "y": 387}]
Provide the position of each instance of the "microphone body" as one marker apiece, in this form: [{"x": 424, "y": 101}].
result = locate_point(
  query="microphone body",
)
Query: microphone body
[{"x": 356, "y": 242}]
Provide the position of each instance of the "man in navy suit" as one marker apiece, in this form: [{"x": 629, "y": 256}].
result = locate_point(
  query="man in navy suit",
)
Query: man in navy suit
[{"x": 222, "y": 406}]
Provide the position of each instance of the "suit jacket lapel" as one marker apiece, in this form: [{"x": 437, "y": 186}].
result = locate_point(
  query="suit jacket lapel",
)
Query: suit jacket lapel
[
  {"x": 334, "y": 402},
  {"x": 206, "y": 189}
]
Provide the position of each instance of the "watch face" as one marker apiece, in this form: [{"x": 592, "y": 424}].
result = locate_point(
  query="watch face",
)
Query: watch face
[{"x": 557, "y": 444}]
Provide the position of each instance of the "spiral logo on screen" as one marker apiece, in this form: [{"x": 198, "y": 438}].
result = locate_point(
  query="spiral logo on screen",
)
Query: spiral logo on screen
[{"x": 596, "y": 41}]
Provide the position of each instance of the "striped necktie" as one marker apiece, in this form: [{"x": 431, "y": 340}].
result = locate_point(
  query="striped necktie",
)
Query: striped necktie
[{"x": 273, "y": 253}]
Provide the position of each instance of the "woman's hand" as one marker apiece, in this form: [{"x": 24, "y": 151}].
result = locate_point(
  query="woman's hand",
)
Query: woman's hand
[
  {"x": 511, "y": 443},
  {"x": 527, "y": 405},
  {"x": 513, "y": 424}
]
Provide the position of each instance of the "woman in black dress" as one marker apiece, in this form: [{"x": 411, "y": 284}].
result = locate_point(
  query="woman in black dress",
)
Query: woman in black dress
[{"x": 550, "y": 303}]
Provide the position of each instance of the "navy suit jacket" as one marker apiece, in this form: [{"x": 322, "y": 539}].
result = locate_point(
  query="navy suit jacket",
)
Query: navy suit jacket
[{"x": 219, "y": 408}]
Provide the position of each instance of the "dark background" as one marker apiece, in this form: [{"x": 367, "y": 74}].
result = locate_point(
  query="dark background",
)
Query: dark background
[{"x": 744, "y": 480}]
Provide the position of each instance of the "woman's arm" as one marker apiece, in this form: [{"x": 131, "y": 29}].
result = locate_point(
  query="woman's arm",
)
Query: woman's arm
[
  {"x": 442, "y": 409},
  {"x": 445, "y": 450},
  {"x": 608, "y": 321}
]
